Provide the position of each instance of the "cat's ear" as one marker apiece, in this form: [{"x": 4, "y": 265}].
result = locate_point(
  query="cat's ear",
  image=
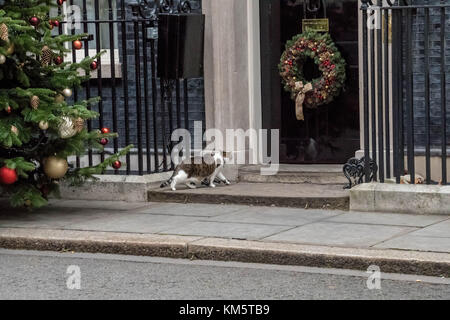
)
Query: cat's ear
[{"x": 225, "y": 154}]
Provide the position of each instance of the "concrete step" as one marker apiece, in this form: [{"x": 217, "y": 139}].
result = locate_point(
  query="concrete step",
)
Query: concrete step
[
  {"x": 295, "y": 174},
  {"x": 309, "y": 196}
]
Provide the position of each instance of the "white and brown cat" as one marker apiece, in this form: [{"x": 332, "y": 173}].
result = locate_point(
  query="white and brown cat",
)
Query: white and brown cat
[{"x": 194, "y": 171}]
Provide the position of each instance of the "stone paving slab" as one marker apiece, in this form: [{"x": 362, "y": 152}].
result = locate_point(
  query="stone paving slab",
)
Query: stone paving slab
[
  {"x": 227, "y": 230},
  {"x": 51, "y": 217},
  {"x": 412, "y": 242},
  {"x": 437, "y": 230},
  {"x": 340, "y": 234},
  {"x": 190, "y": 209},
  {"x": 132, "y": 223},
  {"x": 388, "y": 219},
  {"x": 277, "y": 216}
]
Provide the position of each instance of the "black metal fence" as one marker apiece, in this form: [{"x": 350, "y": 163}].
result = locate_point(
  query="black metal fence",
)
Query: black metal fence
[
  {"x": 133, "y": 100},
  {"x": 405, "y": 60}
]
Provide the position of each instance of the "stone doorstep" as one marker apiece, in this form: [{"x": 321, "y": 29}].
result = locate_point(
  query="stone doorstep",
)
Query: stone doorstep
[
  {"x": 413, "y": 199},
  {"x": 183, "y": 247},
  {"x": 306, "y": 196},
  {"x": 294, "y": 174}
]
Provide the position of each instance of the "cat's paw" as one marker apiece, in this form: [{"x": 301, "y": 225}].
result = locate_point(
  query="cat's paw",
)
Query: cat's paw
[
  {"x": 227, "y": 182},
  {"x": 212, "y": 185},
  {"x": 174, "y": 189}
]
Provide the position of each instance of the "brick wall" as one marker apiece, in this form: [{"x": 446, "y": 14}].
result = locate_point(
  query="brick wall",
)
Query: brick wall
[{"x": 435, "y": 73}]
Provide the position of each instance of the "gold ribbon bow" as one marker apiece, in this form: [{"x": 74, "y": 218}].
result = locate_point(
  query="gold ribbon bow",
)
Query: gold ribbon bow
[{"x": 302, "y": 89}]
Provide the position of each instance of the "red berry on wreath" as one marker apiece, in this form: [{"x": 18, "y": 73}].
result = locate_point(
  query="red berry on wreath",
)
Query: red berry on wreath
[
  {"x": 77, "y": 44},
  {"x": 34, "y": 21},
  {"x": 94, "y": 65},
  {"x": 58, "y": 60},
  {"x": 117, "y": 164},
  {"x": 8, "y": 110},
  {"x": 8, "y": 176},
  {"x": 105, "y": 130}
]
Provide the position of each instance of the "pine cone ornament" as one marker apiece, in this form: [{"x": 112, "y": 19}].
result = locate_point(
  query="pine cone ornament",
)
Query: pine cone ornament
[
  {"x": 34, "y": 102},
  {"x": 4, "y": 34},
  {"x": 78, "y": 125},
  {"x": 15, "y": 130},
  {"x": 46, "y": 56}
]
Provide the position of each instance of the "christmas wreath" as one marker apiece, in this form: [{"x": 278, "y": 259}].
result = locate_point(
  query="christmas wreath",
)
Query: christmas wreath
[{"x": 319, "y": 91}]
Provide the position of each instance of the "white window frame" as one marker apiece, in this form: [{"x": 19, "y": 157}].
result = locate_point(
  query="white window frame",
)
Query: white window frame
[{"x": 105, "y": 59}]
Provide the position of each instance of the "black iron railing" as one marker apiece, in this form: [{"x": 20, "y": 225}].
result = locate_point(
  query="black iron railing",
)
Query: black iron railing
[
  {"x": 134, "y": 102},
  {"x": 406, "y": 129}
]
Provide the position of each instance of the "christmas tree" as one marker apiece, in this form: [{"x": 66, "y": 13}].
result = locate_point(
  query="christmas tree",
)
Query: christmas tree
[{"x": 39, "y": 130}]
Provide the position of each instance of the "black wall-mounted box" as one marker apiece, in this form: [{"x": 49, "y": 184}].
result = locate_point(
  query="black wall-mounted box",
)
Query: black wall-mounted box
[{"x": 181, "y": 46}]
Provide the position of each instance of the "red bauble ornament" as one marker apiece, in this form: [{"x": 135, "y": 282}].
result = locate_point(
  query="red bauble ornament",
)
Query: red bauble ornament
[
  {"x": 105, "y": 130},
  {"x": 8, "y": 176},
  {"x": 60, "y": 2},
  {"x": 34, "y": 21},
  {"x": 104, "y": 141},
  {"x": 94, "y": 65},
  {"x": 77, "y": 44},
  {"x": 8, "y": 110},
  {"x": 58, "y": 60},
  {"x": 55, "y": 23},
  {"x": 117, "y": 164}
]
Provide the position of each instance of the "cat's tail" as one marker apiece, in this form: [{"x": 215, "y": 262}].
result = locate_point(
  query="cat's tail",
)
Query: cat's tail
[{"x": 167, "y": 183}]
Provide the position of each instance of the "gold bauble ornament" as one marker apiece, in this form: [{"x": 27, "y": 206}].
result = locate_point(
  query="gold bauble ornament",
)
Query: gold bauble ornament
[
  {"x": 55, "y": 168},
  {"x": 67, "y": 92},
  {"x": 43, "y": 125},
  {"x": 59, "y": 98},
  {"x": 67, "y": 128},
  {"x": 34, "y": 102},
  {"x": 10, "y": 50},
  {"x": 2, "y": 59}
]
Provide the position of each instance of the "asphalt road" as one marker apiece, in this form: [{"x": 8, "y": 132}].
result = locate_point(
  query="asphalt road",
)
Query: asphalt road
[{"x": 47, "y": 275}]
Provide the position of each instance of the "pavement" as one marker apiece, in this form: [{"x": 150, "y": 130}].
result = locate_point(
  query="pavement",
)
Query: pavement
[
  {"x": 49, "y": 275},
  {"x": 411, "y": 244}
]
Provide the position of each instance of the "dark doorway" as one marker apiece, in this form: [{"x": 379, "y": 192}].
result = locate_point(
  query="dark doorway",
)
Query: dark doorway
[{"x": 329, "y": 134}]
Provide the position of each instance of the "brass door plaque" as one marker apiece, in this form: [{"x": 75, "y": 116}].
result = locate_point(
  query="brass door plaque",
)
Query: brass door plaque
[{"x": 317, "y": 25}]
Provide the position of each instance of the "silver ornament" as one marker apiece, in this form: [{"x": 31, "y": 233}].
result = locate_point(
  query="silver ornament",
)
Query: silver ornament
[
  {"x": 67, "y": 92},
  {"x": 66, "y": 129},
  {"x": 2, "y": 59}
]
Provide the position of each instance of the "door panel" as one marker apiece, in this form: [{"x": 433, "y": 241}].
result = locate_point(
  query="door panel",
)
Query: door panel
[{"x": 329, "y": 134}]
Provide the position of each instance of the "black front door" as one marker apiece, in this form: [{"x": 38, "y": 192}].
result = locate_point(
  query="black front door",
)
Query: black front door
[{"x": 329, "y": 134}]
